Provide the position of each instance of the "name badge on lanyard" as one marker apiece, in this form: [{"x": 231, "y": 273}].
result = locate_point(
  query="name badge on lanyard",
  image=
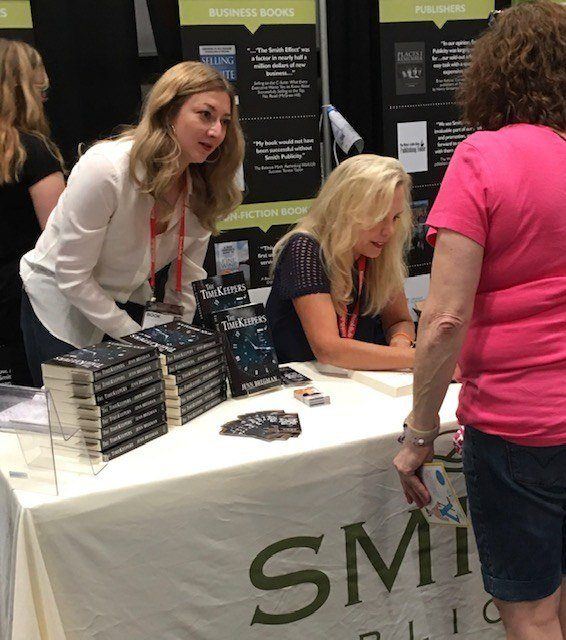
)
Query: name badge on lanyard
[
  {"x": 346, "y": 328},
  {"x": 157, "y": 313}
]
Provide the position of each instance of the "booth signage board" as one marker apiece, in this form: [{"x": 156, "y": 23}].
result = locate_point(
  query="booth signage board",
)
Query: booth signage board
[
  {"x": 424, "y": 49},
  {"x": 16, "y": 21},
  {"x": 267, "y": 49}
]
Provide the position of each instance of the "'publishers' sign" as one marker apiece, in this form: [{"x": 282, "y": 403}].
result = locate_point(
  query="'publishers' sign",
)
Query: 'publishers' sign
[{"x": 425, "y": 47}]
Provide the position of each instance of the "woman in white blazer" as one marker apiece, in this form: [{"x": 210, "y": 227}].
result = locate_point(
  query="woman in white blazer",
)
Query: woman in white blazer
[{"x": 133, "y": 205}]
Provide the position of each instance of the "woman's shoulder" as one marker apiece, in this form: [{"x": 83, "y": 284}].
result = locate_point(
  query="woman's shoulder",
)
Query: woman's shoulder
[
  {"x": 36, "y": 145},
  {"x": 301, "y": 245},
  {"x": 40, "y": 161},
  {"x": 115, "y": 151},
  {"x": 108, "y": 156}
]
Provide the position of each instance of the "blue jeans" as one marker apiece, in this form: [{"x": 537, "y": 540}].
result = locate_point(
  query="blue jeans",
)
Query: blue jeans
[
  {"x": 41, "y": 345},
  {"x": 517, "y": 503}
]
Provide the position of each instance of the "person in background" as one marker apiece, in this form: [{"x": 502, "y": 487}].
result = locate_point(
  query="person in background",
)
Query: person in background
[
  {"x": 31, "y": 181},
  {"x": 133, "y": 205},
  {"x": 337, "y": 292},
  {"x": 497, "y": 303}
]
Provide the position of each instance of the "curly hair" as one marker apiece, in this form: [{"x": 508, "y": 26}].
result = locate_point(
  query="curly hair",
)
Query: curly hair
[
  {"x": 517, "y": 71},
  {"x": 22, "y": 79}
]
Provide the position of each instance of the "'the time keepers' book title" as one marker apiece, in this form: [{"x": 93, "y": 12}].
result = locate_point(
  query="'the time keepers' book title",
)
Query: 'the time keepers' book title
[
  {"x": 219, "y": 293},
  {"x": 250, "y": 354}
]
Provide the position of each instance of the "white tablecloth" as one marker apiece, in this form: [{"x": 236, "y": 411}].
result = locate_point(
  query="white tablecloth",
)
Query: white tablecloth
[{"x": 200, "y": 536}]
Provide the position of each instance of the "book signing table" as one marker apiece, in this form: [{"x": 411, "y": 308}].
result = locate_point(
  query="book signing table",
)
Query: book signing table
[{"x": 198, "y": 536}]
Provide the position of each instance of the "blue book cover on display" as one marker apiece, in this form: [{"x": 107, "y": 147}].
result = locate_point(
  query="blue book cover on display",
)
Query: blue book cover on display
[
  {"x": 218, "y": 293},
  {"x": 250, "y": 353},
  {"x": 222, "y": 57}
]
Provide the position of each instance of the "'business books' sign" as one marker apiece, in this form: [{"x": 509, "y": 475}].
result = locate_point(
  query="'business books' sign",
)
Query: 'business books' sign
[
  {"x": 267, "y": 49},
  {"x": 15, "y": 20}
]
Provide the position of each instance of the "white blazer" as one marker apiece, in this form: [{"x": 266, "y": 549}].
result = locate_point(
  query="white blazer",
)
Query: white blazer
[{"x": 95, "y": 251}]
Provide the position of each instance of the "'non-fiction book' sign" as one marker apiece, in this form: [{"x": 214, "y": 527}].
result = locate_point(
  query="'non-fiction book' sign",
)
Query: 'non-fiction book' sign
[
  {"x": 267, "y": 49},
  {"x": 424, "y": 49}
]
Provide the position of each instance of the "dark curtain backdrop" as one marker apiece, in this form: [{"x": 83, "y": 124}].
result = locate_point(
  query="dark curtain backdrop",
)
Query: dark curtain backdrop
[
  {"x": 355, "y": 82},
  {"x": 164, "y": 15},
  {"x": 91, "y": 55}
]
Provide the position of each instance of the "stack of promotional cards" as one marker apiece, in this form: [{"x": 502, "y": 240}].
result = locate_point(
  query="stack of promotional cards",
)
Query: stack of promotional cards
[
  {"x": 291, "y": 377},
  {"x": 264, "y": 425},
  {"x": 311, "y": 396}
]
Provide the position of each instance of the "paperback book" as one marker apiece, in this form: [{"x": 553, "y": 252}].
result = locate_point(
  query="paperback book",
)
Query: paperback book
[
  {"x": 83, "y": 395},
  {"x": 106, "y": 442},
  {"x": 250, "y": 354},
  {"x": 71, "y": 414},
  {"x": 182, "y": 366},
  {"x": 189, "y": 411},
  {"x": 392, "y": 383},
  {"x": 133, "y": 443},
  {"x": 184, "y": 376},
  {"x": 98, "y": 361},
  {"x": 177, "y": 408},
  {"x": 200, "y": 384},
  {"x": 99, "y": 410},
  {"x": 219, "y": 293},
  {"x": 92, "y": 429},
  {"x": 175, "y": 340}
]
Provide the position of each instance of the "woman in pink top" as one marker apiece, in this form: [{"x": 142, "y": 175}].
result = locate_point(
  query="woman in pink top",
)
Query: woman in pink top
[{"x": 497, "y": 305}]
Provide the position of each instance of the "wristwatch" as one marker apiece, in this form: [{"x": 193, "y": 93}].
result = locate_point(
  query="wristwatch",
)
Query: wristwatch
[{"x": 418, "y": 438}]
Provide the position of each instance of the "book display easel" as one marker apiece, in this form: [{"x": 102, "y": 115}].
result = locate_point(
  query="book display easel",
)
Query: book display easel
[{"x": 50, "y": 453}]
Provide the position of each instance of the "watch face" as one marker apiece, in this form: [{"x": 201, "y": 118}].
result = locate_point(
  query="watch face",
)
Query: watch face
[{"x": 252, "y": 352}]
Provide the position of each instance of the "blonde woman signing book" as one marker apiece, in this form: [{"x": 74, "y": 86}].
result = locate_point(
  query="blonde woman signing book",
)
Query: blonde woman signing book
[
  {"x": 134, "y": 205},
  {"x": 337, "y": 292}
]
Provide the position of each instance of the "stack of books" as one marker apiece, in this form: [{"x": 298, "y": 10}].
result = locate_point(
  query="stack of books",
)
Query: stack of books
[
  {"x": 193, "y": 364},
  {"x": 114, "y": 392}
]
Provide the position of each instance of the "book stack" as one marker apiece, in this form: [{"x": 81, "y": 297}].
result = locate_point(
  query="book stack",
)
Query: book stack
[
  {"x": 193, "y": 364},
  {"x": 114, "y": 392}
]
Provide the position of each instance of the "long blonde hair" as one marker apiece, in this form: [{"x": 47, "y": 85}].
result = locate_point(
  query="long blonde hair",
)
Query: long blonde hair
[
  {"x": 21, "y": 106},
  {"x": 155, "y": 148},
  {"x": 357, "y": 195}
]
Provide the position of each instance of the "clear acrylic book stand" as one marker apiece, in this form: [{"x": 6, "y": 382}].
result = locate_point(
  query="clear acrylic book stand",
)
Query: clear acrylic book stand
[{"x": 49, "y": 454}]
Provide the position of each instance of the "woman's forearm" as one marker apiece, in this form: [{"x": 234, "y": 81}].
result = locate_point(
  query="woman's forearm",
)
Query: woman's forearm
[
  {"x": 439, "y": 342},
  {"x": 401, "y": 333},
  {"x": 355, "y": 354}
]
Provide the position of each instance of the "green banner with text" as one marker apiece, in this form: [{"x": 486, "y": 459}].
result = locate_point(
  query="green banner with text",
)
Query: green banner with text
[
  {"x": 425, "y": 47},
  {"x": 251, "y": 13},
  {"x": 15, "y": 14},
  {"x": 267, "y": 50},
  {"x": 437, "y": 12}
]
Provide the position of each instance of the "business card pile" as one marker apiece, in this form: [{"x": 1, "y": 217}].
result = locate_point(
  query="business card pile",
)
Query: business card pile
[
  {"x": 311, "y": 396},
  {"x": 264, "y": 425}
]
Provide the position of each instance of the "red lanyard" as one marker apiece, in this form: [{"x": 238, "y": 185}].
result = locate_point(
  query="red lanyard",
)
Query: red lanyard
[
  {"x": 180, "y": 243},
  {"x": 348, "y": 329}
]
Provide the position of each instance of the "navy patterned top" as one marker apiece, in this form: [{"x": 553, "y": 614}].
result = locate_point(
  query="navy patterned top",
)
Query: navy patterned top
[{"x": 300, "y": 272}]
